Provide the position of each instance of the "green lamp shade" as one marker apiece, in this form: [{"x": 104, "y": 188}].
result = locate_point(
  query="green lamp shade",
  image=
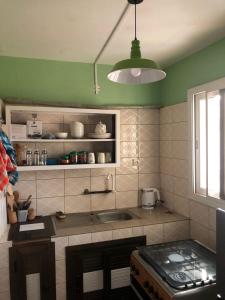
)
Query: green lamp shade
[{"x": 136, "y": 70}]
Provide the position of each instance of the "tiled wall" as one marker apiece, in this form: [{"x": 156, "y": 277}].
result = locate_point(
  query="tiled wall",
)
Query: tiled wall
[
  {"x": 174, "y": 174},
  {"x": 62, "y": 190}
]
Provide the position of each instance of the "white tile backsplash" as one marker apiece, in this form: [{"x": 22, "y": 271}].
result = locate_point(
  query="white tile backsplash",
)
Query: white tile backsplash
[
  {"x": 50, "y": 188},
  {"x": 174, "y": 177},
  {"x": 63, "y": 189}
]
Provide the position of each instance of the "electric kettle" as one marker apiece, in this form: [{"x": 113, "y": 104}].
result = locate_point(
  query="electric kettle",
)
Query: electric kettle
[{"x": 149, "y": 198}]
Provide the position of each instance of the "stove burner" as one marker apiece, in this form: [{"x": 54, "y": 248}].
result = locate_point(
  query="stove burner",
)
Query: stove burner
[
  {"x": 176, "y": 258},
  {"x": 179, "y": 276}
]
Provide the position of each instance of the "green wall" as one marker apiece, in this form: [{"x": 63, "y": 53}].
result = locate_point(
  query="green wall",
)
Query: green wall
[
  {"x": 69, "y": 83},
  {"x": 201, "y": 67}
]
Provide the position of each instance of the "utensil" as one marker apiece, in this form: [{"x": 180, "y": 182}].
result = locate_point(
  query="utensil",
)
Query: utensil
[
  {"x": 101, "y": 158},
  {"x": 10, "y": 201},
  {"x": 61, "y": 135},
  {"x": 148, "y": 197},
  {"x": 16, "y": 196},
  {"x": 77, "y": 130}
]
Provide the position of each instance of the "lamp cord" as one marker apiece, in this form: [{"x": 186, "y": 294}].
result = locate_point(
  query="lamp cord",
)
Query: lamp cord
[{"x": 135, "y": 21}]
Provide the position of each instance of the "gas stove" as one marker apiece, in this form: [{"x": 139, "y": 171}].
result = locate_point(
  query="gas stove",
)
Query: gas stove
[{"x": 174, "y": 270}]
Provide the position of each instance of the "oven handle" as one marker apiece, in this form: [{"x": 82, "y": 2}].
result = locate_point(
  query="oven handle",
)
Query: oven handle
[
  {"x": 149, "y": 297},
  {"x": 136, "y": 292}
]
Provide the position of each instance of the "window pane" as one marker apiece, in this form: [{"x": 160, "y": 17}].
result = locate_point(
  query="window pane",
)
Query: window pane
[
  {"x": 214, "y": 131},
  {"x": 200, "y": 144}
]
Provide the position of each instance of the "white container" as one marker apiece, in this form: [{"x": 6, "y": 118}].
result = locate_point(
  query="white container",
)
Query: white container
[
  {"x": 101, "y": 158},
  {"x": 100, "y": 128},
  {"x": 91, "y": 158},
  {"x": 18, "y": 131},
  {"x": 34, "y": 128},
  {"x": 22, "y": 215},
  {"x": 77, "y": 130}
]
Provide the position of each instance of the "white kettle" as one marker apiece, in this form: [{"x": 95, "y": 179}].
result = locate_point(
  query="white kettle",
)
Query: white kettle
[{"x": 149, "y": 198}]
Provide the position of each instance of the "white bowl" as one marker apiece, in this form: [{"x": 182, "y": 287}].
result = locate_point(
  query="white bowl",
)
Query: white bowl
[{"x": 61, "y": 135}]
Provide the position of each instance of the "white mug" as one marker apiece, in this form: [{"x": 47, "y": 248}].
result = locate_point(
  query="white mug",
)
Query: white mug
[
  {"x": 77, "y": 130},
  {"x": 101, "y": 157},
  {"x": 91, "y": 158}
]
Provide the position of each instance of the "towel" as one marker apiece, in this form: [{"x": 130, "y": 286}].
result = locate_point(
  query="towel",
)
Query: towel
[
  {"x": 10, "y": 151},
  {"x": 5, "y": 167}
]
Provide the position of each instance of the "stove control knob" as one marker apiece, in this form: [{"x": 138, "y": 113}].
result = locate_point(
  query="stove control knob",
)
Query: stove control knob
[
  {"x": 133, "y": 268},
  {"x": 136, "y": 272},
  {"x": 146, "y": 284}
]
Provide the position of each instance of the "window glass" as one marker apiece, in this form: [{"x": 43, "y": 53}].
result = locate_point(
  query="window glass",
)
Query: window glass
[{"x": 208, "y": 144}]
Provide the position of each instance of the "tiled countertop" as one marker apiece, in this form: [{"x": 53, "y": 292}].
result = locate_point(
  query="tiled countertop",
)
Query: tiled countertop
[{"x": 159, "y": 215}]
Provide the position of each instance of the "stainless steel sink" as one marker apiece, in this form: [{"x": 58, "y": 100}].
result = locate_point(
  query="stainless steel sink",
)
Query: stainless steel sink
[
  {"x": 115, "y": 216},
  {"x": 73, "y": 220},
  {"x": 89, "y": 219}
]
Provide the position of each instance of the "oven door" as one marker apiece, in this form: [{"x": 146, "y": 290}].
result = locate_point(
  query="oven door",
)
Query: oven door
[{"x": 139, "y": 291}]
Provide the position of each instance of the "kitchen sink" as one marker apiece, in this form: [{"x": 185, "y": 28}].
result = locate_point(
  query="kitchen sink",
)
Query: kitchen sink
[
  {"x": 115, "y": 216},
  {"x": 73, "y": 220},
  {"x": 89, "y": 219}
]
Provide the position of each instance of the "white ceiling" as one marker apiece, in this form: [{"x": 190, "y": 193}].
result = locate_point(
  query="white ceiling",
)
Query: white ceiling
[{"x": 76, "y": 30}]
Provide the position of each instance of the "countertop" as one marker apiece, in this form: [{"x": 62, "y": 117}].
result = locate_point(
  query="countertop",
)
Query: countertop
[{"x": 159, "y": 215}]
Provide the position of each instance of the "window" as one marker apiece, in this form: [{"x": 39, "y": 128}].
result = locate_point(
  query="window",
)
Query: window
[{"x": 207, "y": 141}]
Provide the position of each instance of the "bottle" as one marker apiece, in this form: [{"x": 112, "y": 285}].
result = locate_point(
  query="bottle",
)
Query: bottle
[
  {"x": 36, "y": 158},
  {"x": 44, "y": 156},
  {"x": 29, "y": 158}
]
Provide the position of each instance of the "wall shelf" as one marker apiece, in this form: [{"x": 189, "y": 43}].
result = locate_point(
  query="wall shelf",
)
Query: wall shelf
[
  {"x": 58, "y": 119},
  {"x": 61, "y": 140},
  {"x": 66, "y": 167}
]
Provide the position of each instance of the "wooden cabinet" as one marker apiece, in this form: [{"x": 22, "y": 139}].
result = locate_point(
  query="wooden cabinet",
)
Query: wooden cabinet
[
  {"x": 37, "y": 258},
  {"x": 107, "y": 256},
  {"x": 58, "y": 119}
]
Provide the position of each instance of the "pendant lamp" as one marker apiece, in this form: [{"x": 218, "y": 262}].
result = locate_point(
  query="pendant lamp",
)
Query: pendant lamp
[{"x": 136, "y": 70}]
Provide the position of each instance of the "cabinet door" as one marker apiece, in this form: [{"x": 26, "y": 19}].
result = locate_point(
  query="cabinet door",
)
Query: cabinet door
[
  {"x": 37, "y": 259},
  {"x": 106, "y": 256}
]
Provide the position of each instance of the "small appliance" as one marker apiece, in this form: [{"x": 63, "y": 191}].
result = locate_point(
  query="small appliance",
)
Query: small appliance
[{"x": 149, "y": 198}]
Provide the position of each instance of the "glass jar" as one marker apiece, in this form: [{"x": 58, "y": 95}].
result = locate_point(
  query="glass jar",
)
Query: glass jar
[
  {"x": 44, "y": 156},
  {"x": 36, "y": 157},
  {"x": 29, "y": 158},
  {"x": 65, "y": 160},
  {"x": 73, "y": 157},
  {"x": 82, "y": 157}
]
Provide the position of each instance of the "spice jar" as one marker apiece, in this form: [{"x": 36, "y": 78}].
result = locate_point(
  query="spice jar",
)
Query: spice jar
[
  {"x": 82, "y": 157},
  {"x": 65, "y": 160},
  {"x": 73, "y": 157}
]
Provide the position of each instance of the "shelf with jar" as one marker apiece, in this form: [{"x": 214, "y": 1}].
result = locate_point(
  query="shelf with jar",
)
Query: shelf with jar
[{"x": 62, "y": 133}]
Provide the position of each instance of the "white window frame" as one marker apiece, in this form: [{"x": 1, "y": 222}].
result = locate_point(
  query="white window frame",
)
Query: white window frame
[{"x": 207, "y": 87}]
